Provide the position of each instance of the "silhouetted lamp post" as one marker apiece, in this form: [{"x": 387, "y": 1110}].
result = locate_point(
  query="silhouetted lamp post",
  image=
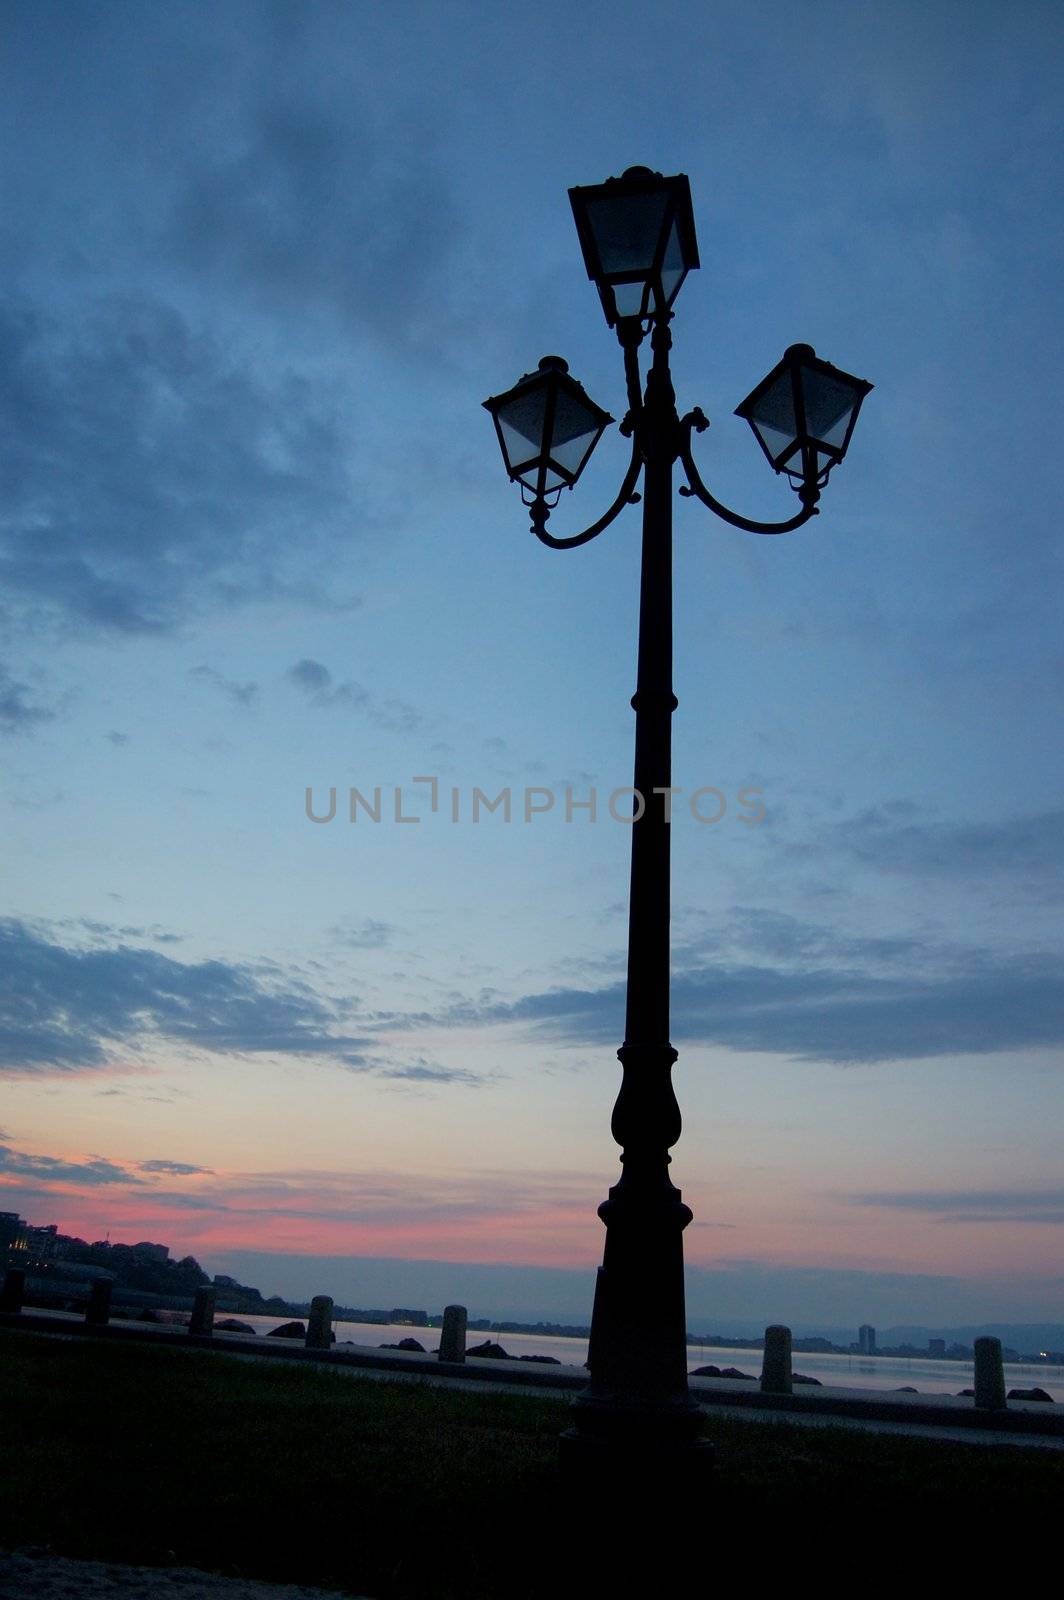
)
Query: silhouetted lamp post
[{"x": 638, "y": 238}]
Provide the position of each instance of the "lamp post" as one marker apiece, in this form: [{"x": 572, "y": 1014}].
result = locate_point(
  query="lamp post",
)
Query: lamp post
[{"x": 637, "y": 234}]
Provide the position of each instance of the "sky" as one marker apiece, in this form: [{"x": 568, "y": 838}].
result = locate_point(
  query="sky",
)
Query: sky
[{"x": 261, "y": 263}]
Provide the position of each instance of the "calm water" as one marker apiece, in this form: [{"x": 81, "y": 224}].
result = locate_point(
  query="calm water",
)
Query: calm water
[{"x": 848, "y": 1371}]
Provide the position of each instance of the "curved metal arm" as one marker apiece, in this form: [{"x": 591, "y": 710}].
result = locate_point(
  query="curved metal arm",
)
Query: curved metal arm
[
  {"x": 541, "y": 511},
  {"x": 809, "y": 494}
]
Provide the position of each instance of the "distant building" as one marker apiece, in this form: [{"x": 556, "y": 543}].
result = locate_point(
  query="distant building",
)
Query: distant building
[
  {"x": 41, "y": 1244},
  {"x": 936, "y": 1348},
  {"x": 12, "y": 1233},
  {"x": 866, "y": 1340}
]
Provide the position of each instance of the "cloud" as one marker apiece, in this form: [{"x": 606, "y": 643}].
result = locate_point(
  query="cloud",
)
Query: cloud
[
  {"x": 65, "y": 1009},
  {"x": 1026, "y": 851},
  {"x": 974, "y": 1205},
  {"x": 19, "y": 713},
  {"x": 177, "y": 1169},
  {"x": 316, "y": 682},
  {"x": 93, "y": 1172},
  {"x": 148, "y": 476},
  {"x": 244, "y": 694},
  {"x": 822, "y": 996},
  {"x": 367, "y": 935},
  {"x": 304, "y": 205},
  {"x": 424, "y": 1072}
]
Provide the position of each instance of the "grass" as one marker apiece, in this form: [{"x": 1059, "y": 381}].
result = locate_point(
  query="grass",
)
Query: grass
[{"x": 306, "y": 1474}]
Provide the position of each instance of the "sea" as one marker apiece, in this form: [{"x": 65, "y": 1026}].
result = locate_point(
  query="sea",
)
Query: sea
[{"x": 922, "y": 1373}]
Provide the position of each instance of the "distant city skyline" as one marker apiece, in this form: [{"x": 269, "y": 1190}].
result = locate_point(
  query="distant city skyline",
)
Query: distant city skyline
[{"x": 263, "y": 264}]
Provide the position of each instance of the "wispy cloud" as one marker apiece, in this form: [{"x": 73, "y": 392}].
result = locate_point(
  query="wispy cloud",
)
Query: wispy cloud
[
  {"x": 176, "y": 1169},
  {"x": 73, "y": 1009},
  {"x": 822, "y": 996},
  {"x": 319, "y": 686},
  {"x": 974, "y": 1205},
  {"x": 243, "y": 694},
  {"x": 90, "y": 1173},
  {"x": 1026, "y": 852}
]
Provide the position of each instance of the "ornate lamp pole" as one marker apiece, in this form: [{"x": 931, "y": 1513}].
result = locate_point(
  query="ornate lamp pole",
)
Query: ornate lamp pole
[{"x": 638, "y": 238}]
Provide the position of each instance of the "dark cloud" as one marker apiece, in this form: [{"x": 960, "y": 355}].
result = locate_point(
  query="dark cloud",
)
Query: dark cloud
[
  {"x": 69, "y": 1010},
  {"x": 19, "y": 712},
  {"x": 306, "y": 206},
  {"x": 66, "y": 1009},
  {"x": 147, "y": 476},
  {"x": 975, "y": 1205},
  {"x": 822, "y": 997},
  {"x": 47, "y": 1169},
  {"x": 321, "y": 689}
]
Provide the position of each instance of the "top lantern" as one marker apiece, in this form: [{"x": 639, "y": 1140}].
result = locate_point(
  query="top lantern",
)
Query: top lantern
[{"x": 637, "y": 233}]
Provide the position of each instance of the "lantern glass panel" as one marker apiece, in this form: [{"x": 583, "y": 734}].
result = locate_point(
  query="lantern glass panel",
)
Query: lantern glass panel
[
  {"x": 521, "y": 423},
  {"x": 626, "y": 229},
  {"x": 772, "y": 416},
  {"x": 574, "y": 432},
  {"x": 829, "y": 406},
  {"x": 673, "y": 269}
]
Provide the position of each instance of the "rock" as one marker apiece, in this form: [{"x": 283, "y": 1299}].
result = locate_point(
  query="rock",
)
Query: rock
[
  {"x": 406, "y": 1344},
  {"x": 493, "y": 1352},
  {"x": 231, "y": 1325},
  {"x": 149, "y": 1314},
  {"x": 906, "y": 1388},
  {"x": 1030, "y": 1394},
  {"x": 733, "y": 1372},
  {"x": 288, "y": 1330},
  {"x": 546, "y": 1361},
  {"x": 800, "y": 1377},
  {"x": 966, "y": 1394},
  {"x": 706, "y": 1372}
]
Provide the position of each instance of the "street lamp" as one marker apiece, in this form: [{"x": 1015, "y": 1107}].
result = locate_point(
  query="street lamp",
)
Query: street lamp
[{"x": 638, "y": 238}]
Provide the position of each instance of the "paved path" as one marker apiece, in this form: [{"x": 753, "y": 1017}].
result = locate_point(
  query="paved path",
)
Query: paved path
[{"x": 36, "y": 1574}]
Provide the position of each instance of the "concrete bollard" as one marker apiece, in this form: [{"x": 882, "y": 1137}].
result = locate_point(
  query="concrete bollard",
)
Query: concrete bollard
[
  {"x": 14, "y": 1291},
  {"x": 989, "y": 1375},
  {"x": 776, "y": 1364},
  {"x": 319, "y": 1323},
  {"x": 453, "y": 1333},
  {"x": 202, "y": 1319},
  {"x": 98, "y": 1311}
]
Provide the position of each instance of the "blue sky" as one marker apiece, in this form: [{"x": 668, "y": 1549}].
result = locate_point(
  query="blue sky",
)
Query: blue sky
[{"x": 262, "y": 262}]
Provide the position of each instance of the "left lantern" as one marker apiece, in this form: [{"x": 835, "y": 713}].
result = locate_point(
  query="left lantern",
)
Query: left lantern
[{"x": 547, "y": 427}]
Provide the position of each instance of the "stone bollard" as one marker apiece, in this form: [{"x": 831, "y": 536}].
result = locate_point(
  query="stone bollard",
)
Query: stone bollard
[
  {"x": 319, "y": 1323},
  {"x": 14, "y": 1290},
  {"x": 989, "y": 1375},
  {"x": 452, "y": 1334},
  {"x": 98, "y": 1311},
  {"x": 202, "y": 1319},
  {"x": 776, "y": 1364}
]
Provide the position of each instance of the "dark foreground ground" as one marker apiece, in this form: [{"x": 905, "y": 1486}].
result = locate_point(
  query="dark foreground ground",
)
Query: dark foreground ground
[{"x": 299, "y": 1474}]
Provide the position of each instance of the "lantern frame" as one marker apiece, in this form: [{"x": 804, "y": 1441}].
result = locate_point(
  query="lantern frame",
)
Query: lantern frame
[
  {"x": 553, "y": 389},
  {"x": 804, "y": 453},
  {"x": 594, "y": 204}
]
